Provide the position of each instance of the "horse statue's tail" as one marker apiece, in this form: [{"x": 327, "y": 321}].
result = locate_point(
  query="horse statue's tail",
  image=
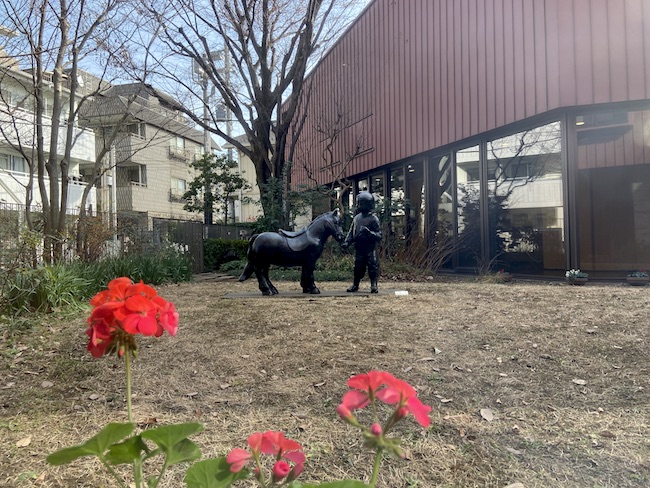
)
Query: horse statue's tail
[{"x": 248, "y": 270}]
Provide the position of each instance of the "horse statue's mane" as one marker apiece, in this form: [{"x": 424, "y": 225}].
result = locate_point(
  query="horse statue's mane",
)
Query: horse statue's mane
[{"x": 296, "y": 233}]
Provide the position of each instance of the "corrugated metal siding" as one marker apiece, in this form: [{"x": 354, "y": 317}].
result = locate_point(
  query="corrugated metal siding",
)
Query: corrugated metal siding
[{"x": 420, "y": 74}]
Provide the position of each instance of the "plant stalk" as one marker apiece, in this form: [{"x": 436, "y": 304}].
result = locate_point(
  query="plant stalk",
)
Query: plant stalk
[
  {"x": 137, "y": 463},
  {"x": 128, "y": 385},
  {"x": 375, "y": 468}
]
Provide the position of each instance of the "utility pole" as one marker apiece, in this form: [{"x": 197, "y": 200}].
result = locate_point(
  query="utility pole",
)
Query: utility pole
[
  {"x": 226, "y": 63},
  {"x": 201, "y": 77},
  {"x": 207, "y": 197}
]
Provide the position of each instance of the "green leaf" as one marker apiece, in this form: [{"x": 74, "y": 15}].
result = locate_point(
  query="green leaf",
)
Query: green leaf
[
  {"x": 168, "y": 436},
  {"x": 183, "y": 451},
  {"x": 213, "y": 473},
  {"x": 338, "y": 484},
  {"x": 126, "y": 452},
  {"x": 95, "y": 446}
]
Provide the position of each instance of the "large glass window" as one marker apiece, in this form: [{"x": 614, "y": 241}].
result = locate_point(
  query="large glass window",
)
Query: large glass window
[
  {"x": 468, "y": 205},
  {"x": 525, "y": 201},
  {"x": 397, "y": 201},
  {"x": 415, "y": 203},
  {"x": 441, "y": 230},
  {"x": 613, "y": 190},
  {"x": 377, "y": 189}
]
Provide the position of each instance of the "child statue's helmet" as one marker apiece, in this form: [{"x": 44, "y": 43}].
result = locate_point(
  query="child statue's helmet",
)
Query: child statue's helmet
[{"x": 365, "y": 201}]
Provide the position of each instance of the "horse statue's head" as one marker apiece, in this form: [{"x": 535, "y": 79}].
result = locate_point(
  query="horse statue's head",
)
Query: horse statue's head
[{"x": 336, "y": 223}]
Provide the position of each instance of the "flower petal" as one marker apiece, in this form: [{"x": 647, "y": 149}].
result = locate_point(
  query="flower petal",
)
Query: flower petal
[
  {"x": 420, "y": 411},
  {"x": 148, "y": 325},
  {"x": 297, "y": 457},
  {"x": 255, "y": 442},
  {"x": 237, "y": 458},
  {"x": 355, "y": 399}
]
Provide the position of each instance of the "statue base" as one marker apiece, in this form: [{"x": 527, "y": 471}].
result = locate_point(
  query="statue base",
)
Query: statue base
[{"x": 323, "y": 293}]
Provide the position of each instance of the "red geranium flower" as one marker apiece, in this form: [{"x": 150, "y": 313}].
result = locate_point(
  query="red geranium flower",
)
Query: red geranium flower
[
  {"x": 401, "y": 393},
  {"x": 365, "y": 388},
  {"x": 274, "y": 444},
  {"x": 126, "y": 309}
]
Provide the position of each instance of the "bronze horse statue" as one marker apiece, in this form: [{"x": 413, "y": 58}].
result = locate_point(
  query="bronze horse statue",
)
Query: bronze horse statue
[{"x": 285, "y": 248}]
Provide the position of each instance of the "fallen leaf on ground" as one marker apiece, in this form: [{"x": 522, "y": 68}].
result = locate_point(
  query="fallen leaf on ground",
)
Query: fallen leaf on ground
[
  {"x": 24, "y": 442},
  {"x": 579, "y": 382},
  {"x": 487, "y": 414}
]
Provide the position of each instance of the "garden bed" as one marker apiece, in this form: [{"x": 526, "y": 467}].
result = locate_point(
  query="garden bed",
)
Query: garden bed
[{"x": 530, "y": 382}]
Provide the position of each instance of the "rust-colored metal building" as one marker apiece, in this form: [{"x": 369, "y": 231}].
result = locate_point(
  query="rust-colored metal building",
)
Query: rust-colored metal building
[{"x": 514, "y": 133}]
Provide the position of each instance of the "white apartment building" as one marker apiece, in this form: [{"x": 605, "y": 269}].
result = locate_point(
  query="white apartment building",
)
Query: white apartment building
[{"x": 18, "y": 140}]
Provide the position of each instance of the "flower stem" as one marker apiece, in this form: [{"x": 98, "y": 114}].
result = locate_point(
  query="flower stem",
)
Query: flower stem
[
  {"x": 137, "y": 463},
  {"x": 128, "y": 385},
  {"x": 375, "y": 468},
  {"x": 110, "y": 469}
]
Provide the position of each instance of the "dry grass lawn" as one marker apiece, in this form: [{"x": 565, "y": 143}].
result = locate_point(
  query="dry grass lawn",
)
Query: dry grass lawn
[{"x": 563, "y": 370}]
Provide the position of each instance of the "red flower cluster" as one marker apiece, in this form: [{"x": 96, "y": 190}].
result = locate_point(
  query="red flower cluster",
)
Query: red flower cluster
[
  {"x": 271, "y": 443},
  {"x": 367, "y": 387},
  {"x": 126, "y": 309}
]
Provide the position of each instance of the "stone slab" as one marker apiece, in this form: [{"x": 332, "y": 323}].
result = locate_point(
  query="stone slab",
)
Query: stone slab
[{"x": 323, "y": 294}]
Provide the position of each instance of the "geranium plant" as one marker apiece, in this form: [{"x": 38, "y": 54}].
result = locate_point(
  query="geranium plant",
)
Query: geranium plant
[
  {"x": 127, "y": 309},
  {"x": 285, "y": 457},
  {"x": 119, "y": 314}
]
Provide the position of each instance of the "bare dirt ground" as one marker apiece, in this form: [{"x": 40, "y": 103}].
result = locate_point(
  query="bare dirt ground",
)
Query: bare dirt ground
[{"x": 536, "y": 383}]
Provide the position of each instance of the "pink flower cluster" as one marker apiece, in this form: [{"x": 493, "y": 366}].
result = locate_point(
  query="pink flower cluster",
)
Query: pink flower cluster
[
  {"x": 385, "y": 387},
  {"x": 283, "y": 450},
  {"x": 126, "y": 309}
]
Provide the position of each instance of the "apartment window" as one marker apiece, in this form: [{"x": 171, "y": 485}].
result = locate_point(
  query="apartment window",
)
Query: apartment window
[
  {"x": 178, "y": 189},
  {"x": 198, "y": 152},
  {"x": 22, "y": 101},
  {"x": 137, "y": 129},
  {"x": 177, "y": 147},
  {"x": 10, "y": 162},
  {"x": 137, "y": 175}
]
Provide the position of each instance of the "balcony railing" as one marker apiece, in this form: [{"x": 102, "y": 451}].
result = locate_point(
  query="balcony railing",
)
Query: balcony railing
[{"x": 179, "y": 153}]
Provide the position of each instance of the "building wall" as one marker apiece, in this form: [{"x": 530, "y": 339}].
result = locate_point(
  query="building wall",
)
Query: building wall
[
  {"x": 414, "y": 75},
  {"x": 153, "y": 197},
  {"x": 248, "y": 211}
]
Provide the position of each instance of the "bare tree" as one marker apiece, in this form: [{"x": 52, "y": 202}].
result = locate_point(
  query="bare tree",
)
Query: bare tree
[
  {"x": 337, "y": 136},
  {"x": 51, "y": 43},
  {"x": 255, "y": 54}
]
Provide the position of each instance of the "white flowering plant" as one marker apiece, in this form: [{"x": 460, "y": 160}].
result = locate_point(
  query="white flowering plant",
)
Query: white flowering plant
[
  {"x": 638, "y": 274},
  {"x": 573, "y": 274}
]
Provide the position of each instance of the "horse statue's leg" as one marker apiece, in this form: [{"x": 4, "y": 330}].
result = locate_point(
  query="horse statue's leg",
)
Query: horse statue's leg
[
  {"x": 307, "y": 279},
  {"x": 304, "y": 281},
  {"x": 262, "y": 281},
  {"x": 272, "y": 288}
]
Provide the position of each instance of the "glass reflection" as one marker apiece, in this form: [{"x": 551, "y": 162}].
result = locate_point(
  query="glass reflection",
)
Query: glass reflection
[
  {"x": 525, "y": 201},
  {"x": 468, "y": 200}
]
